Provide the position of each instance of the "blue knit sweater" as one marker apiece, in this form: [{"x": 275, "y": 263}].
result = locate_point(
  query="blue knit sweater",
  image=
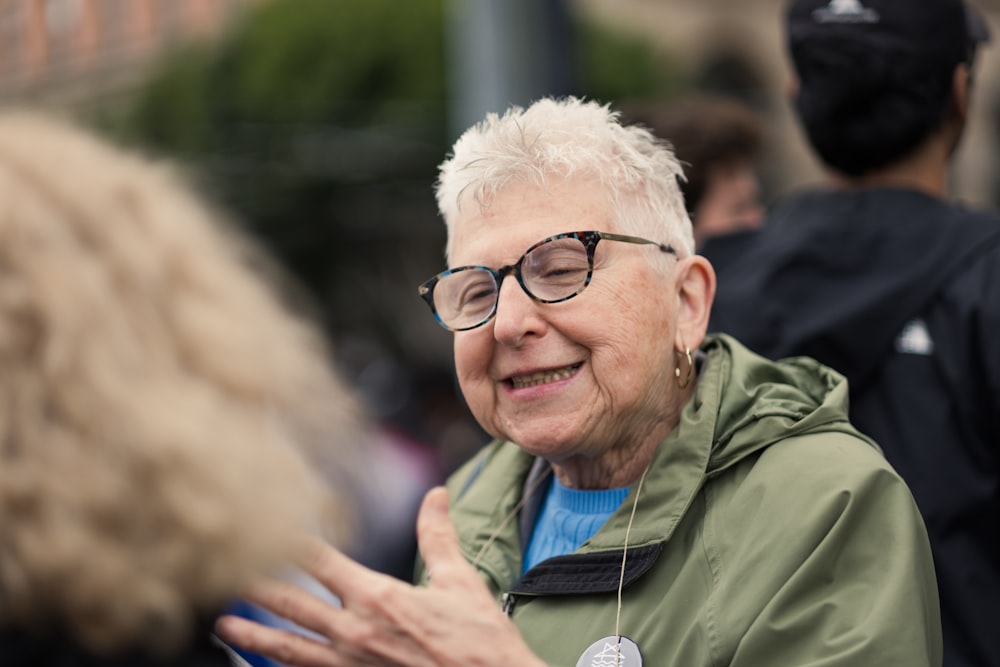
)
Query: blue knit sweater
[{"x": 567, "y": 519}]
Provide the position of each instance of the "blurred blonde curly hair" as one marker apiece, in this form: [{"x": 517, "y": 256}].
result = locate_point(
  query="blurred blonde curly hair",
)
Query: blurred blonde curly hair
[{"x": 158, "y": 400}]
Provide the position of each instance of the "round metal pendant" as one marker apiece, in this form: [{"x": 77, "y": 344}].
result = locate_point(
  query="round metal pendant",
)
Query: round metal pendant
[{"x": 611, "y": 652}]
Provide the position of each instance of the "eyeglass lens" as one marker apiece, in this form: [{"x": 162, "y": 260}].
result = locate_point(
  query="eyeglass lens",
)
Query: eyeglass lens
[{"x": 552, "y": 271}]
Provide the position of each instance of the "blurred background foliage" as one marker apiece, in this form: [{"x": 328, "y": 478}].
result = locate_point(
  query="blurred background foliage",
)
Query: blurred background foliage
[{"x": 319, "y": 125}]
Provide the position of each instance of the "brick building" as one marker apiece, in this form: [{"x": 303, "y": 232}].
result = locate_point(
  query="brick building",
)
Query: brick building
[{"x": 70, "y": 53}]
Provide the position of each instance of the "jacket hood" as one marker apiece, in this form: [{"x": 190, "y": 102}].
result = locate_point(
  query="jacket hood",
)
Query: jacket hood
[
  {"x": 757, "y": 402},
  {"x": 831, "y": 264}
]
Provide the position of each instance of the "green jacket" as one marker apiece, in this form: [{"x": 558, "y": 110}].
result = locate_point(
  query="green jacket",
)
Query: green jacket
[{"x": 768, "y": 532}]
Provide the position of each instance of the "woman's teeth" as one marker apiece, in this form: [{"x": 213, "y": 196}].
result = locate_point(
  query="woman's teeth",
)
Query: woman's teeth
[{"x": 543, "y": 377}]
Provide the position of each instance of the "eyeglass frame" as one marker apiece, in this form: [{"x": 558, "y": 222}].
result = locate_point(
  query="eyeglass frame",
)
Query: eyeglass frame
[{"x": 589, "y": 239}]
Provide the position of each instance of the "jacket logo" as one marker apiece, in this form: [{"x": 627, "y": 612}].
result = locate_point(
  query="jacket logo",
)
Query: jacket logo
[
  {"x": 845, "y": 11},
  {"x": 915, "y": 339}
]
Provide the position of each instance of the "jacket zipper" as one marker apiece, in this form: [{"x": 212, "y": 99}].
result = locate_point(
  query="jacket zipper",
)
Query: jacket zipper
[{"x": 507, "y": 601}]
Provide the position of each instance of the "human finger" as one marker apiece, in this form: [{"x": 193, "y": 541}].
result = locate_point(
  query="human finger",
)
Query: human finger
[
  {"x": 301, "y": 607},
  {"x": 437, "y": 539},
  {"x": 341, "y": 575},
  {"x": 283, "y": 646}
]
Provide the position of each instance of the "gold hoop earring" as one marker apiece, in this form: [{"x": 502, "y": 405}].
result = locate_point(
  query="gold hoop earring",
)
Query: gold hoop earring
[{"x": 690, "y": 372}]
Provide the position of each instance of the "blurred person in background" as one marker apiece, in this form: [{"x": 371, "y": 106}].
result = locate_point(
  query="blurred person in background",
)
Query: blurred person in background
[
  {"x": 718, "y": 140},
  {"x": 877, "y": 274},
  {"x": 168, "y": 426},
  {"x": 652, "y": 495}
]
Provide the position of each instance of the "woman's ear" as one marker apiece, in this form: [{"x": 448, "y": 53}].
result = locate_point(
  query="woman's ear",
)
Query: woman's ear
[{"x": 695, "y": 292}]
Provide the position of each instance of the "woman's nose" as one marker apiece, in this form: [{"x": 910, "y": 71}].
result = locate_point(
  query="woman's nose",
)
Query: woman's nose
[{"x": 518, "y": 315}]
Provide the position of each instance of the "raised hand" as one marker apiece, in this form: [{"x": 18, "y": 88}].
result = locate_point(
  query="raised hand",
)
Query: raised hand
[{"x": 454, "y": 621}]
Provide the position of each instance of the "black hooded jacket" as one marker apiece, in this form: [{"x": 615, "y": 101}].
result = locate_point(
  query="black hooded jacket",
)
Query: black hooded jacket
[{"x": 900, "y": 292}]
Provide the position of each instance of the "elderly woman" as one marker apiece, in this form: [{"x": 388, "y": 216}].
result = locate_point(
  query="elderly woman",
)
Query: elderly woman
[
  {"x": 157, "y": 407},
  {"x": 652, "y": 496}
]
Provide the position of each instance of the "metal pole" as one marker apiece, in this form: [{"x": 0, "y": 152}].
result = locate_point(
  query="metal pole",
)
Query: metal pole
[{"x": 503, "y": 52}]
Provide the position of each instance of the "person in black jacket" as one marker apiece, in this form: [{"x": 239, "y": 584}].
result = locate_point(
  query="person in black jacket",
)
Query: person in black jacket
[
  {"x": 162, "y": 411},
  {"x": 880, "y": 276}
]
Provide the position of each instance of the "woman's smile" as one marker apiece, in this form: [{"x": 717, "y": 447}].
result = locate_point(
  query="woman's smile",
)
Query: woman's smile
[{"x": 542, "y": 377}]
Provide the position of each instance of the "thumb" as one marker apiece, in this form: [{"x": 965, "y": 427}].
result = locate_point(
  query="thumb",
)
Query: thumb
[
  {"x": 434, "y": 506},
  {"x": 436, "y": 536}
]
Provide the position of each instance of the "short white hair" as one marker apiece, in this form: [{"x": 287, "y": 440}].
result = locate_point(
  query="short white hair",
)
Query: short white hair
[{"x": 570, "y": 138}]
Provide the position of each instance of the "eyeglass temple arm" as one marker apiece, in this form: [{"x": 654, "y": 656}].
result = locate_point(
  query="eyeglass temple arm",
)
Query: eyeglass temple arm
[{"x": 637, "y": 239}]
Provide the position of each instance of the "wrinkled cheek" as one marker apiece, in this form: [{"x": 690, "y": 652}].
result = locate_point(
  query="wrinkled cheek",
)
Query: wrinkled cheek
[
  {"x": 472, "y": 389},
  {"x": 473, "y": 355},
  {"x": 483, "y": 405},
  {"x": 480, "y": 395},
  {"x": 471, "y": 363}
]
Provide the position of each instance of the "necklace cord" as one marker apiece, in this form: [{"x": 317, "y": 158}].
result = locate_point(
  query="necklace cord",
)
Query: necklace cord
[{"x": 621, "y": 577}]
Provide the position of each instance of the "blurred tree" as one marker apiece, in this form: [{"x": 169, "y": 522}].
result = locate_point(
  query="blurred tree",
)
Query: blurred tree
[
  {"x": 616, "y": 66},
  {"x": 320, "y": 124}
]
